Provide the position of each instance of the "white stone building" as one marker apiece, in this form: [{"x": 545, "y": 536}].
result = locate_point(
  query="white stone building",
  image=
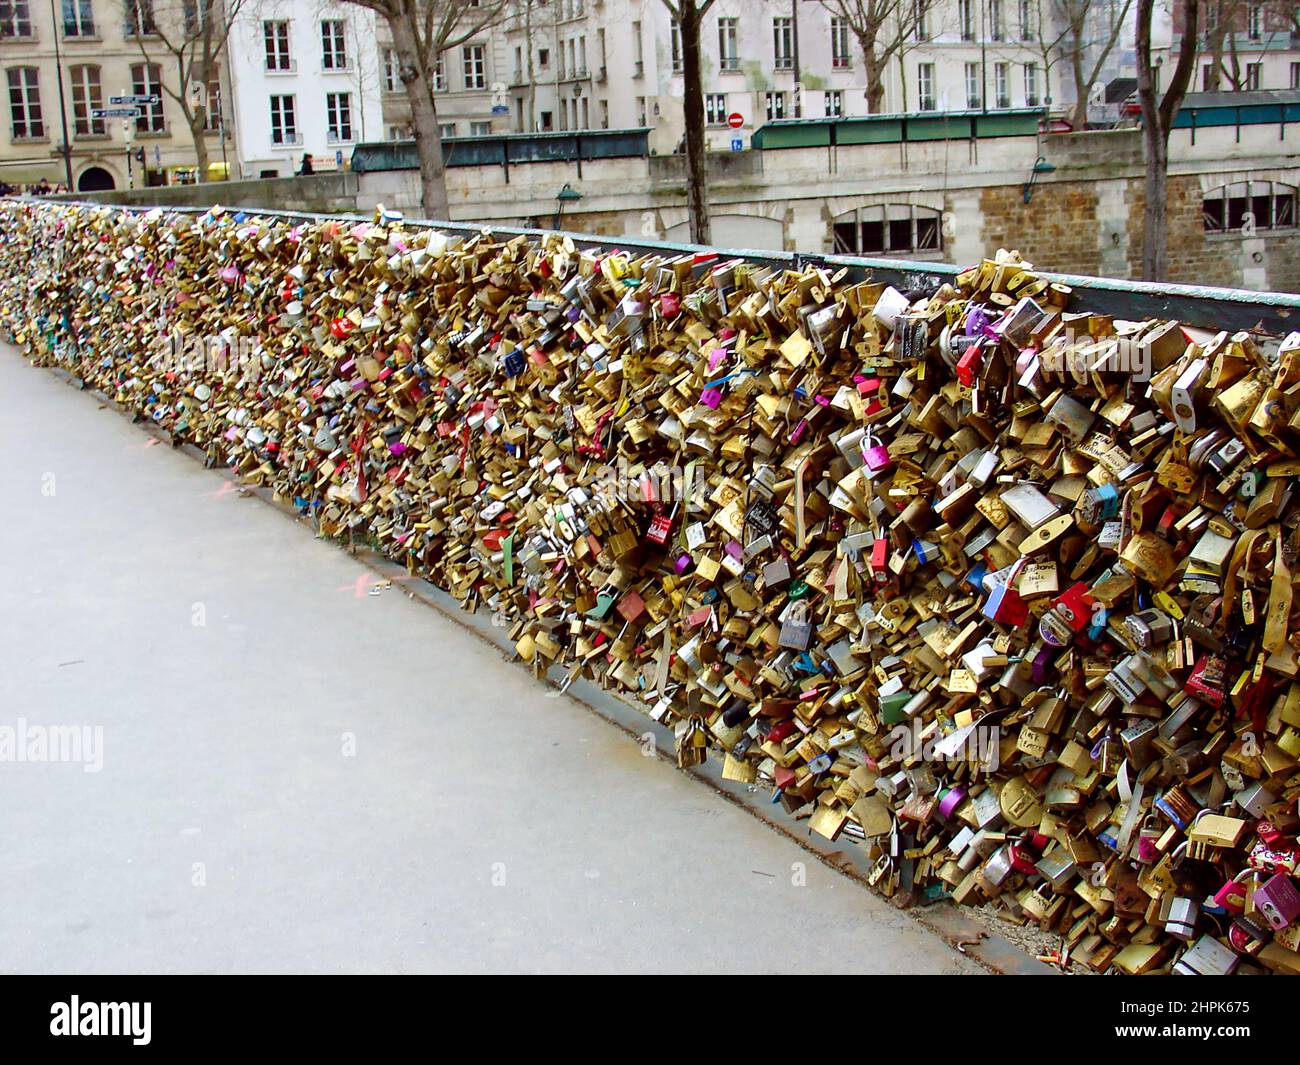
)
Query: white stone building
[{"x": 306, "y": 80}]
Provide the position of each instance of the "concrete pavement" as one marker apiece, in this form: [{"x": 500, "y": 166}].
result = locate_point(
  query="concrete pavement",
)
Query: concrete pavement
[{"x": 297, "y": 777}]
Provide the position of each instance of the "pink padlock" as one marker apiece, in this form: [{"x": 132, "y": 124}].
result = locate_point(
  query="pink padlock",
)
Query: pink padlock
[{"x": 876, "y": 457}]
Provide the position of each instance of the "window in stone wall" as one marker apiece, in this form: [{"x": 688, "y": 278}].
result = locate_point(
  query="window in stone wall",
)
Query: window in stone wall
[
  {"x": 891, "y": 227},
  {"x": 1245, "y": 205}
]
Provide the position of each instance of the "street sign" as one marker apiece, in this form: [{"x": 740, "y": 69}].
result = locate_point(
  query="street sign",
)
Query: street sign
[
  {"x": 737, "y": 144},
  {"x": 735, "y": 120},
  {"x": 338, "y": 158},
  {"x": 115, "y": 112},
  {"x": 138, "y": 101},
  {"x": 501, "y": 109}
]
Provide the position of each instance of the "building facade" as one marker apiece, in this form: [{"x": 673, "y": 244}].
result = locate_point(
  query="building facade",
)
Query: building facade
[
  {"x": 307, "y": 82},
  {"x": 102, "y": 49}
]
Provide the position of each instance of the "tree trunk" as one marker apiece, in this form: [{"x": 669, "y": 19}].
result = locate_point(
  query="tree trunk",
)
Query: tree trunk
[
  {"x": 1158, "y": 113},
  {"x": 874, "y": 69},
  {"x": 697, "y": 201},
  {"x": 1154, "y": 152},
  {"x": 1081, "y": 91},
  {"x": 197, "y": 121},
  {"x": 1155, "y": 218},
  {"x": 417, "y": 77}
]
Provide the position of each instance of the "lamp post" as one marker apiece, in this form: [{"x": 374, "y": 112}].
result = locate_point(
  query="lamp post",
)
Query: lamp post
[
  {"x": 568, "y": 194},
  {"x": 65, "y": 149}
]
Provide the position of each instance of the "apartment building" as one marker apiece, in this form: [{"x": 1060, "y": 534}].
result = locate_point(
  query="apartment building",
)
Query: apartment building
[
  {"x": 555, "y": 65},
  {"x": 1246, "y": 45},
  {"x": 64, "y": 60},
  {"x": 307, "y": 82}
]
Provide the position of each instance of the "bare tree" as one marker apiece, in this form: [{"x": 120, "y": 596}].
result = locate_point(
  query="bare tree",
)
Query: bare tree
[
  {"x": 1224, "y": 20},
  {"x": 1089, "y": 30},
  {"x": 882, "y": 29},
  {"x": 194, "y": 34},
  {"x": 1158, "y": 113},
  {"x": 690, "y": 17},
  {"x": 422, "y": 31}
]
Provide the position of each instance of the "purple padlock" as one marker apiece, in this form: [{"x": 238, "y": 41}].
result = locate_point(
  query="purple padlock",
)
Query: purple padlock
[{"x": 1278, "y": 901}]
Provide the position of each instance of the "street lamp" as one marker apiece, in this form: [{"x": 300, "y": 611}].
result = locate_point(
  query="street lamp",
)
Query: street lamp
[{"x": 568, "y": 194}]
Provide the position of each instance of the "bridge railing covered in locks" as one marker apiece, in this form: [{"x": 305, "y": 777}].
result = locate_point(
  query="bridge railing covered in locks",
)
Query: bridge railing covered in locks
[{"x": 995, "y": 588}]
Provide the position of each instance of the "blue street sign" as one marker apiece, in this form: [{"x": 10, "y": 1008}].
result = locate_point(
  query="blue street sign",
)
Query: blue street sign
[
  {"x": 338, "y": 158},
  {"x": 737, "y": 144}
]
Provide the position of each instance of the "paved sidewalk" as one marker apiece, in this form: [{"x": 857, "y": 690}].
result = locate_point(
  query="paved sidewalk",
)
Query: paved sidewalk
[{"x": 225, "y": 653}]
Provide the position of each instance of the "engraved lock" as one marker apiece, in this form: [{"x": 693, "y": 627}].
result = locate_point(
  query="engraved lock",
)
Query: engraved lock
[
  {"x": 1278, "y": 901},
  {"x": 1248, "y": 934},
  {"x": 1206, "y": 957},
  {"x": 796, "y": 627}
]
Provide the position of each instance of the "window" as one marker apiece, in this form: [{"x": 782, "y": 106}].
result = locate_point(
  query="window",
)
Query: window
[
  {"x": 78, "y": 20},
  {"x": 139, "y": 19},
  {"x": 582, "y": 56},
  {"x": 921, "y": 18},
  {"x": 392, "y": 79},
  {"x": 25, "y": 104},
  {"x": 675, "y": 44},
  {"x": 1253, "y": 76},
  {"x": 715, "y": 108},
  {"x": 543, "y": 57},
  {"x": 972, "y": 85},
  {"x": 604, "y": 114},
  {"x": 87, "y": 95},
  {"x": 334, "y": 53},
  {"x": 480, "y": 129},
  {"x": 640, "y": 111},
  {"x": 783, "y": 44},
  {"x": 212, "y": 110},
  {"x": 1031, "y": 84},
  {"x": 638, "y": 56},
  {"x": 338, "y": 116},
  {"x": 1002, "y": 83},
  {"x": 284, "y": 123},
  {"x": 586, "y": 112},
  {"x": 966, "y": 19},
  {"x": 15, "y": 18},
  {"x": 925, "y": 86},
  {"x": 1295, "y": 75},
  {"x": 1249, "y": 204},
  {"x": 1255, "y": 21},
  {"x": 997, "y": 31},
  {"x": 775, "y": 105},
  {"x": 195, "y": 14},
  {"x": 519, "y": 66},
  {"x": 439, "y": 75},
  {"x": 475, "y": 64},
  {"x": 1026, "y": 20},
  {"x": 728, "y": 56},
  {"x": 275, "y": 35},
  {"x": 448, "y": 129},
  {"x": 146, "y": 80},
  {"x": 835, "y": 103},
  {"x": 841, "y": 57},
  {"x": 1207, "y": 77},
  {"x": 893, "y": 227}
]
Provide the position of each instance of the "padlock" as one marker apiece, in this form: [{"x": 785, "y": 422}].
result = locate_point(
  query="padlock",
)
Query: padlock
[
  {"x": 796, "y": 627},
  {"x": 1181, "y": 919},
  {"x": 1206, "y": 957},
  {"x": 875, "y": 455},
  {"x": 1231, "y": 898},
  {"x": 1278, "y": 901},
  {"x": 1247, "y": 934}
]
